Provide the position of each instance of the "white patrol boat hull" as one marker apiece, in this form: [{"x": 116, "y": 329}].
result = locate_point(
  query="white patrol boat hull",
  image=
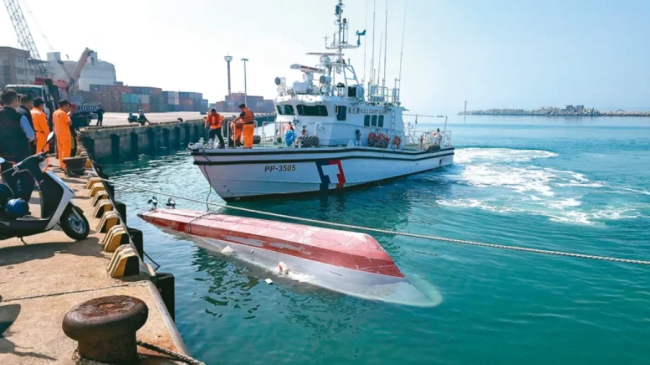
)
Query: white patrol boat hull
[{"x": 238, "y": 173}]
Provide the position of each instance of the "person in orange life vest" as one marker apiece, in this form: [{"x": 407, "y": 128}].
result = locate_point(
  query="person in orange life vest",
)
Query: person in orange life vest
[
  {"x": 235, "y": 133},
  {"x": 61, "y": 122},
  {"x": 246, "y": 125},
  {"x": 214, "y": 122},
  {"x": 40, "y": 125}
]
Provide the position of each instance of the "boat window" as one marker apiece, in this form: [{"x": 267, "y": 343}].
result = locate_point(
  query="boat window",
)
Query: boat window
[
  {"x": 374, "y": 120},
  {"x": 286, "y": 110},
  {"x": 366, "y": 121},
  {"x": 381, "y": 121},
  {"x": 312, "y": 111},
  {"x": 352, "y": 91},
  {"x": 341, "y": 112}
]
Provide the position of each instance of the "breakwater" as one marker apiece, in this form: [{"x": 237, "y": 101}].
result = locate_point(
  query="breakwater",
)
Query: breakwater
[{"x": 569, "y": 111}]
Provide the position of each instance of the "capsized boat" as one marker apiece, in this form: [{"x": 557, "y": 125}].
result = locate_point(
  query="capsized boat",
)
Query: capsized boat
[
  {"x": 346, "y": 262},
  {"x": 345, "y": 135}
]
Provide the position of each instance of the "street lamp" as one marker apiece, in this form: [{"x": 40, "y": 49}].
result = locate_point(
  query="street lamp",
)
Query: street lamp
[
  {"x": 245, "y": 88},
  {"x": 228, "y": 60}
]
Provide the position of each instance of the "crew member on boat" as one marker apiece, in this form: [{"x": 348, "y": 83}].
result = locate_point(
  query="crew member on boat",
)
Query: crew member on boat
[
  {"x": 214, "y": 121},
  {"x": 244, "y": 125}
]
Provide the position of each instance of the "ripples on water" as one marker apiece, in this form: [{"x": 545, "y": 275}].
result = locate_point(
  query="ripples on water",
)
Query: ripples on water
[{"x": 582, "y": 188}]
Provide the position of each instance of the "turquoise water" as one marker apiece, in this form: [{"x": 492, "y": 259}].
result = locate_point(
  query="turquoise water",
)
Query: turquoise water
[{"x": 580, "y": 185}]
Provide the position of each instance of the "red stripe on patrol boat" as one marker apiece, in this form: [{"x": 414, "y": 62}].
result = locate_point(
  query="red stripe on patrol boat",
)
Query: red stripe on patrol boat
[{"x": 341, "y": 175}]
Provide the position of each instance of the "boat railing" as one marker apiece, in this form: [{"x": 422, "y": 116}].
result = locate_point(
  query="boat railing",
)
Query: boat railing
[
  {"x": 266, "y": 140},
  {"x": 427, "y": 139},
  {"x": 384, "y": 95}
]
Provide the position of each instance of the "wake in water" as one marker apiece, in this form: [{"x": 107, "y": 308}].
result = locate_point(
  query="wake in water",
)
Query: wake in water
[{"x": 509, "y": 180}]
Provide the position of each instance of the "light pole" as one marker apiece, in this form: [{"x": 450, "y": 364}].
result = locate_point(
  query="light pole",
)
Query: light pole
[
  {"x": 245, "y": 87},
  {"x": 228, "y": 60}
]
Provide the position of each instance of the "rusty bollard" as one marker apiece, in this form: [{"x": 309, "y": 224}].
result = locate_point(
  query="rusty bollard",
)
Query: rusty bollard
[{"x": 105, "y": 328}]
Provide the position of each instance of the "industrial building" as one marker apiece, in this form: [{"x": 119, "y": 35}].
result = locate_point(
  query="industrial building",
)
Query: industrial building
[
  {"x": 95, "y": 72},
  {"x": 14, "y": 67}
]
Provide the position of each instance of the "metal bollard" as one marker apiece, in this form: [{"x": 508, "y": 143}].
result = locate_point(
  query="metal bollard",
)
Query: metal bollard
[{"x": 105, "y": 328}]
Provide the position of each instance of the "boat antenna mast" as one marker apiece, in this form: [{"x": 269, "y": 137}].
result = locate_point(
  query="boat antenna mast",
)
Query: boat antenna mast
[{"x": 340, "y": 39}]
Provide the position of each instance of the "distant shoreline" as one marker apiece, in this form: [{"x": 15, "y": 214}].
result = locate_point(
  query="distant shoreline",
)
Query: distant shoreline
[{"x": 569, "y": 111}]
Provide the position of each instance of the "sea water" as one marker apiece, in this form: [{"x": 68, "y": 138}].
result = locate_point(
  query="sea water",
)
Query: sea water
[{"x": 578, "y": 185}]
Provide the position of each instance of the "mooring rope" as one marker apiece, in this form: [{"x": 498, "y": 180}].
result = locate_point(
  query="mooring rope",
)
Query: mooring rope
[
  {"x": 391, "y": 232},
  {"x": 76, "y": 357},
  {"x": 174, "y": 355}
]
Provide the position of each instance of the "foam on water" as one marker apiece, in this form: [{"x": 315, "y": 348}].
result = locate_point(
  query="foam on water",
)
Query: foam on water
[
  {"x": 510, "y": 181},
  {"x": 502, "y": 155}
]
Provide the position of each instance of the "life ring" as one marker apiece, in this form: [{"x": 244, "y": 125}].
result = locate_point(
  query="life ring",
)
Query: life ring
[
  {"x": 397, "y": 141},
  {"x": 372, "y": 139}
]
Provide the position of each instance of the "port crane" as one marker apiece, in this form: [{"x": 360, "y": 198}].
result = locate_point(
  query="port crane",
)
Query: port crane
[
  {"x": 25, "y": 38},
  {"x": 44, "y": 86},
  {"x": 73, "y": 77}
]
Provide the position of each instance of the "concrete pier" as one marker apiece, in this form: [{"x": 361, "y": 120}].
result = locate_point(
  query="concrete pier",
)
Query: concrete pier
[
  {"x": 122, "y": 143},
  {"x": 49, "y": 274}
]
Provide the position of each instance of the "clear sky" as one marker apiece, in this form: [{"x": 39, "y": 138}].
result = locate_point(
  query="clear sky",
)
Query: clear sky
[{"x": 493, "y": 53}]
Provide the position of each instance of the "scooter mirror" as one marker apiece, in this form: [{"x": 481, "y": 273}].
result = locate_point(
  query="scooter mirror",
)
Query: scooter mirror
[
  {"x": 2, "y": 160},
  {"x": 50, "y": 136}
]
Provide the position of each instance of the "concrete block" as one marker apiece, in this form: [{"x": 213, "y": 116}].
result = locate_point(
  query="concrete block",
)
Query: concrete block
[
  {"x": 125, "y": 262},
  {"x": 102, "y": 195},
  {"x": 96, "y": 188},
  {"x": 92, "y": 181},
  {"x": 115, "y": 238},
  {"x": 104, "y": 206},
  {"x": 107, "y": 222}
]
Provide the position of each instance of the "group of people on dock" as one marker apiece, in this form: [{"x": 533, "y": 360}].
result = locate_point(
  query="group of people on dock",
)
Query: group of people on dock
[
  {"x": 24, "y": 130},
  {"x": 242, "y": 129}
]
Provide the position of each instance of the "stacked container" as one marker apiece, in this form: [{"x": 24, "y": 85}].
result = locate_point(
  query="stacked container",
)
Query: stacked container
[
  {"x": 172, "y": 98},
  {"x": 190, "y": 101},
  {"x": 129, "y": 99}
]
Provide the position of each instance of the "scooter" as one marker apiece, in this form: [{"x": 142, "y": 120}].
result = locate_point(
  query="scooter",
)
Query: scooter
[
  {"x": 141, "y": 119},
  {"x": 56, "y": 204}
]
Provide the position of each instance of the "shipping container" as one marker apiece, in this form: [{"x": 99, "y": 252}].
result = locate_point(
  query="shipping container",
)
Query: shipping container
[
  {"x": 130, "y": 107},
  {"x": 144, "y": 99},
  {"x": 184, "y": 95}
]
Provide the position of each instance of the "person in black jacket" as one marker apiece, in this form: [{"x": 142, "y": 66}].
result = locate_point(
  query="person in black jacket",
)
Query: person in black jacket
[
  {"x": 26, "y": 105},
  {"x": 100, "y": 115},
  {"x": 15, "y": 137}
]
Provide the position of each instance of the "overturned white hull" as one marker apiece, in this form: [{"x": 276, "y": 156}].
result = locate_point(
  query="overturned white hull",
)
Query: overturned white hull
[{"x": 345, "y": 262}]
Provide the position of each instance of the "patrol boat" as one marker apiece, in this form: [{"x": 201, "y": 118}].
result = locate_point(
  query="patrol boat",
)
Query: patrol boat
[{"x": 346, "y": 136}]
